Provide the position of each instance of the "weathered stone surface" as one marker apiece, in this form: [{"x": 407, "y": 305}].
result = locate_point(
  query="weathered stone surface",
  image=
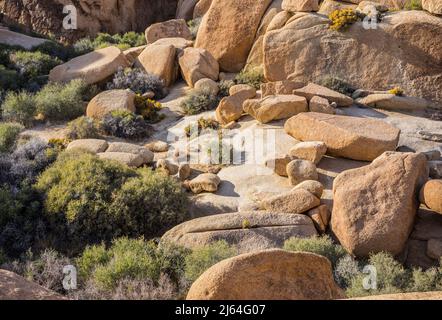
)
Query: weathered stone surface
[
  {"x": 389, "y": 101},
  {"x": 201, "y": 8},
  {"x": 279, "y": 87},
  {"x": 179, "y": 43},
  {"x": 417, "y": 255},
  {"x": 207, "y": 84},
  {"x": 434, "y": 249},
  {"x": 11, "y": 38},
  {"x": 328, "y": 6},
  {"x": 431, "y": 195},
  {"x": 311, "y": 90},
  {"x": 228, "y": 31},
  {"x": 197, "y": 64},
  {"x": 321, "y": 105},
  {"x": 428, "y": 225},
  {"x": 129, "y": 159},
  {"x": 394, "y": 54},
  {"x": 266, "y": 231},
  {"x": 277, "y": 107},
  {"x": 301, "y": 170},
  {"x": 170, "y": 168},
  {"x": 245, "y": 88},
  {"x": 157, "y": 146},
  {"x": 108, "y": 101},
  {"x": 271, "y": 275},
  {"x": 321, "y": 217},
  {"x": 435, "y": 169},
  {"x": 145, "y": 153},
  {"x": 92, "y": 67},
  {"x": 176, "y": 28},
  {"x": 375, "y": 206},
  {"x": 312, "y": 186},
  {"x": 349, "y": 137},
  {"x": 15, "y": 287},
  {"x": 184, "y": 171},
  {"x": 206, "y": 182},
  {"x": 185, "y": 9},
  {"x": 231, "y": 108},
  {"x": 159, "y": 60},
  {"x": 90, "y": 145},
  {"x": 279, "y": 164},
  {"x": 432, "y": 6},
  {"x": 294, "y": 202},
  {"x": 132, "y": 54},
  {"x": 311, "y": 150},
  {"x": 300, "y": 5}
]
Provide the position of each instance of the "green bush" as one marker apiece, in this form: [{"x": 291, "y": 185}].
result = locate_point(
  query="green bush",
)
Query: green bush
[
  {"x": 251, "y": 76},
  {"x": 413, "y": 5},
  {"x": 338, "y": 85},
  {"x": 125, "y": 124},
  {"x": 32, "y": 65},
  {"x": 8, "y": 135},
  {"x": 19, "y": 107},
  {"x": 199, "y": 101},
  {"x": 148, "y": 108},
  {"x": 224, "y": 88},
  {"x": 323, "y": 246},
  {"x": 89, "y": 200},
  {"x": 194, "y": 26},
  {"x": 103, "y": 40},
  {"x": 203, "y": 258},
  {"x": 9, "y": 79},
  {"x": 346, "y": 269},
  {"x": 82, "y": 128},
  {"x": 424, "y": 281},
  {"x": 129, "y": 259},
  {"x": 62, "y": 101}
]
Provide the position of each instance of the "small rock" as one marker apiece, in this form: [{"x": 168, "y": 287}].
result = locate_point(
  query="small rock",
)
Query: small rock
[
  {"x": 251, "y": 92},
  {"x": 434, "y": 248},
  {"x": 321, "y": 105},
  {"x": 230, "y": 108},
  {"x": 390, "y": 101},
  {"x": 90, "y": 145},
  {"x": 157, "y": 146},
  {"x": 184, "y": 171},
  {"x": 295, "y": 202},
  {"x": 312, "y": 186},
  {"x": 279, "y": 164},
  {"x": 129, "y": 159},
  {"x": 149, "y": 95},
  {"x": 301, "y": 170},
  {"x": 321, "y": 217},
  {"x": 207, "y": 84},
  {"x": 175, "y": 28},
  {"x": 206, "y": 182},
  {"x": 435, "y": 169},
  {"x": 170, "y": 168},
  {"x": 197, "y": 64},
  {"x": 146, "y": 154},
  {"x": 312, "y": 90},
  {"x": 431, "y": 195},
  {"x": 108, "y": 101},
  {"x": 311, "y": 150},
  {"x": 279, "y": 87}
]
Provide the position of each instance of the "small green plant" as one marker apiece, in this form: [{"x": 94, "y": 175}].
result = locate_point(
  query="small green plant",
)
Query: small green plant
[
  {"x": 338, "y": 85},
  {"x": 224, "y": 88},
  {"x": 323, "y": 246},
  {"x": 203, "y": 258},
  {"x": 413, "y": 5},
  {"x": 8, "y": 135},
  {"x": 342, "y": 19},
  {"x": 9, "y": 79},
  {"x": 103, "y": 40},
  {"x": 125, "y": 124},
  {"x": 396, "y": 91},
  {"x": 61, "y": 101},
  {"x": 82, "y": 128},
  {"x": 201, "y": 125},
  {"x": 246, "y": 224},
  {"x": 19, "y": 107},
  {"x": 58, "y": 143},
  {"x": 194, "y": 26},
  {"x": 32, "y": 65},
  {"x": 251, "y": 76},
  {"x": 199, "y": 101},
  {"x": 148, "y": 108}
]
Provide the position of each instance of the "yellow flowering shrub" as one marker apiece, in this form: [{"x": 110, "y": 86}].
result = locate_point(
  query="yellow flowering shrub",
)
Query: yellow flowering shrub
[{"x": 342, "y": 18}]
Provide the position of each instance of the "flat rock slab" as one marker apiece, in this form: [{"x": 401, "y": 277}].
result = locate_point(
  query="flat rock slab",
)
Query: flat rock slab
[
  {"x": 349, "y": 137},
  {"x": 268, "y": 275},
  {"x": 264, "y": 230},
  {"x": 11, "y": 38}
]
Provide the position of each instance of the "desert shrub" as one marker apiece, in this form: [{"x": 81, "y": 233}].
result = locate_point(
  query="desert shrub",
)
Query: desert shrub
[
  {"x": 103, "y": 40},
  {"x": 19, "y": 107},
  {"x": 89, "y": 200},
  {"x": 323, "y": 246},
  {"x": 138, "y": 81},
  {"x": 125, "y": 124},
  {"x": 224, "y": 87},
  {"x": 341, "y": 19},
  {"x": 82, "y": 128},
  {"x": 194, "y": 26},
  {"x": 203, "y": 258},
  {"x": 413, "y": 5},
  {"x": 396, "y": 91},
  {"x": 61, "y": 101},
  {"x": 251, "y": 76},
  {"x": 8, "y": 135},
  {"x": 149, "y": 204},
  {"x": 338, "y": 85},
  {"x": 424, "y": 281},
  {"x": 346, "y": 269},
  {"x": 201, "y": 125},
  {"x": 9, "y": 79},
  {"x": 199, "y": 101},
  {"x": 129, "y": 260},
  {"x": 32, "y": 65},
  {"x": 46, "y": 270},
  {"x": 148, "y": 108}
]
